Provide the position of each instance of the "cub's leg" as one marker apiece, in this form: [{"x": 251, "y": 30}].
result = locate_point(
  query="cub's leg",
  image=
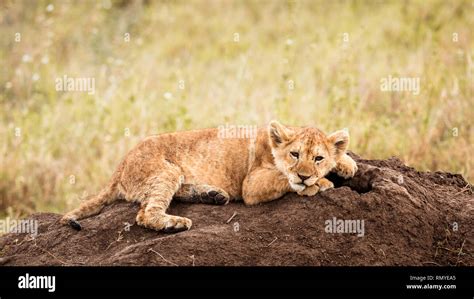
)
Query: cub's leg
[
  {"x": 264, "y": 184},
  {"x": 202, "y": 194},
  {"x": 346, "y": 167},
  {"x": 159, "y": 191}
]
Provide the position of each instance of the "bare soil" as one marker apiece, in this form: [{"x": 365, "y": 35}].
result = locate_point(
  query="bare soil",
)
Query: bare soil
[{"x": 410, "y": 218}]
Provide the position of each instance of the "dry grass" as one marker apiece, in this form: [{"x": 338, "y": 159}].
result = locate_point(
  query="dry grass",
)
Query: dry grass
[{"x": 70, "y": 142}]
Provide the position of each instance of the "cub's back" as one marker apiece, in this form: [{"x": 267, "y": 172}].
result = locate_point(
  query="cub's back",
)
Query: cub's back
[{"x": 205, "y": 157}]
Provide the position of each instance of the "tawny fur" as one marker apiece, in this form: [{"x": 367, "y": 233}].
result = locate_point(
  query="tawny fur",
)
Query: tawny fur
[{"x": 198, "y": 166}]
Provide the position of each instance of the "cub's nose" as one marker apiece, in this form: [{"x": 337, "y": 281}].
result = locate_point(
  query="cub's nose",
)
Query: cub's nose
[{"x": 303, "y": 177}]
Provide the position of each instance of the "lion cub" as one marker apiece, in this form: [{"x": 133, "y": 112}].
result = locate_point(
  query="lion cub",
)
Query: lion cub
[{"x": 199, "y": 167}]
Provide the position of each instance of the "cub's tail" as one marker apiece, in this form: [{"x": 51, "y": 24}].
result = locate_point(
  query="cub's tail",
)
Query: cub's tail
[{"x": 89, "y": 207}]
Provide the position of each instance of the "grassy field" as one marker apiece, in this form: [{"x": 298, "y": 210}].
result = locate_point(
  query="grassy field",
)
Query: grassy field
[{"x": 177, "y": 65}]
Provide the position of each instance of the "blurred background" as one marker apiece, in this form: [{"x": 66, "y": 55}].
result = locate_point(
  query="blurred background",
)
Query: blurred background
[{"x": 162, "y": 66}]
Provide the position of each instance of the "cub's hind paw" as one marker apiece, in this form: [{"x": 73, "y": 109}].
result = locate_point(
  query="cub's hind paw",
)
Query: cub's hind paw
[
  {"x": 201, "y": 193},
  {"x": 163, "y": 222},
  {"x": 214, "y": 197},
  {"x": 175, "y": 224}
]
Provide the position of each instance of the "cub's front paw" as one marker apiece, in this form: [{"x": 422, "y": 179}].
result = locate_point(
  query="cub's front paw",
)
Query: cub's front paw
[
  {"x": 324, "y": 184},
  {"x": 309, "y": 191},
  {"x": 346, "y": 168},
  {"x": 297, "y": 187}
]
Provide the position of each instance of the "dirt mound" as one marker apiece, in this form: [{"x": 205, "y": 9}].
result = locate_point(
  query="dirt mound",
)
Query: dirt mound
[{"x": 409, "y": 217}]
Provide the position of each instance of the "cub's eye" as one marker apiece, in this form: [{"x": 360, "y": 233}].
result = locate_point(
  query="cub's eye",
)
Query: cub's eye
[
  {"x": 318, "y": 158},
  {"x": 295, "y": 155}
]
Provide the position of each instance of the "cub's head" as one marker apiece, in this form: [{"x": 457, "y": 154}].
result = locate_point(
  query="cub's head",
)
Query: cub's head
[{"x": 305, "y": 154}]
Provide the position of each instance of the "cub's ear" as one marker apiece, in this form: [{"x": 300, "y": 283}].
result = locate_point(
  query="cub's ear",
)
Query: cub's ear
[
  {"x": 278, "y": 133},
  {"x": 340, "y": 140}
]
